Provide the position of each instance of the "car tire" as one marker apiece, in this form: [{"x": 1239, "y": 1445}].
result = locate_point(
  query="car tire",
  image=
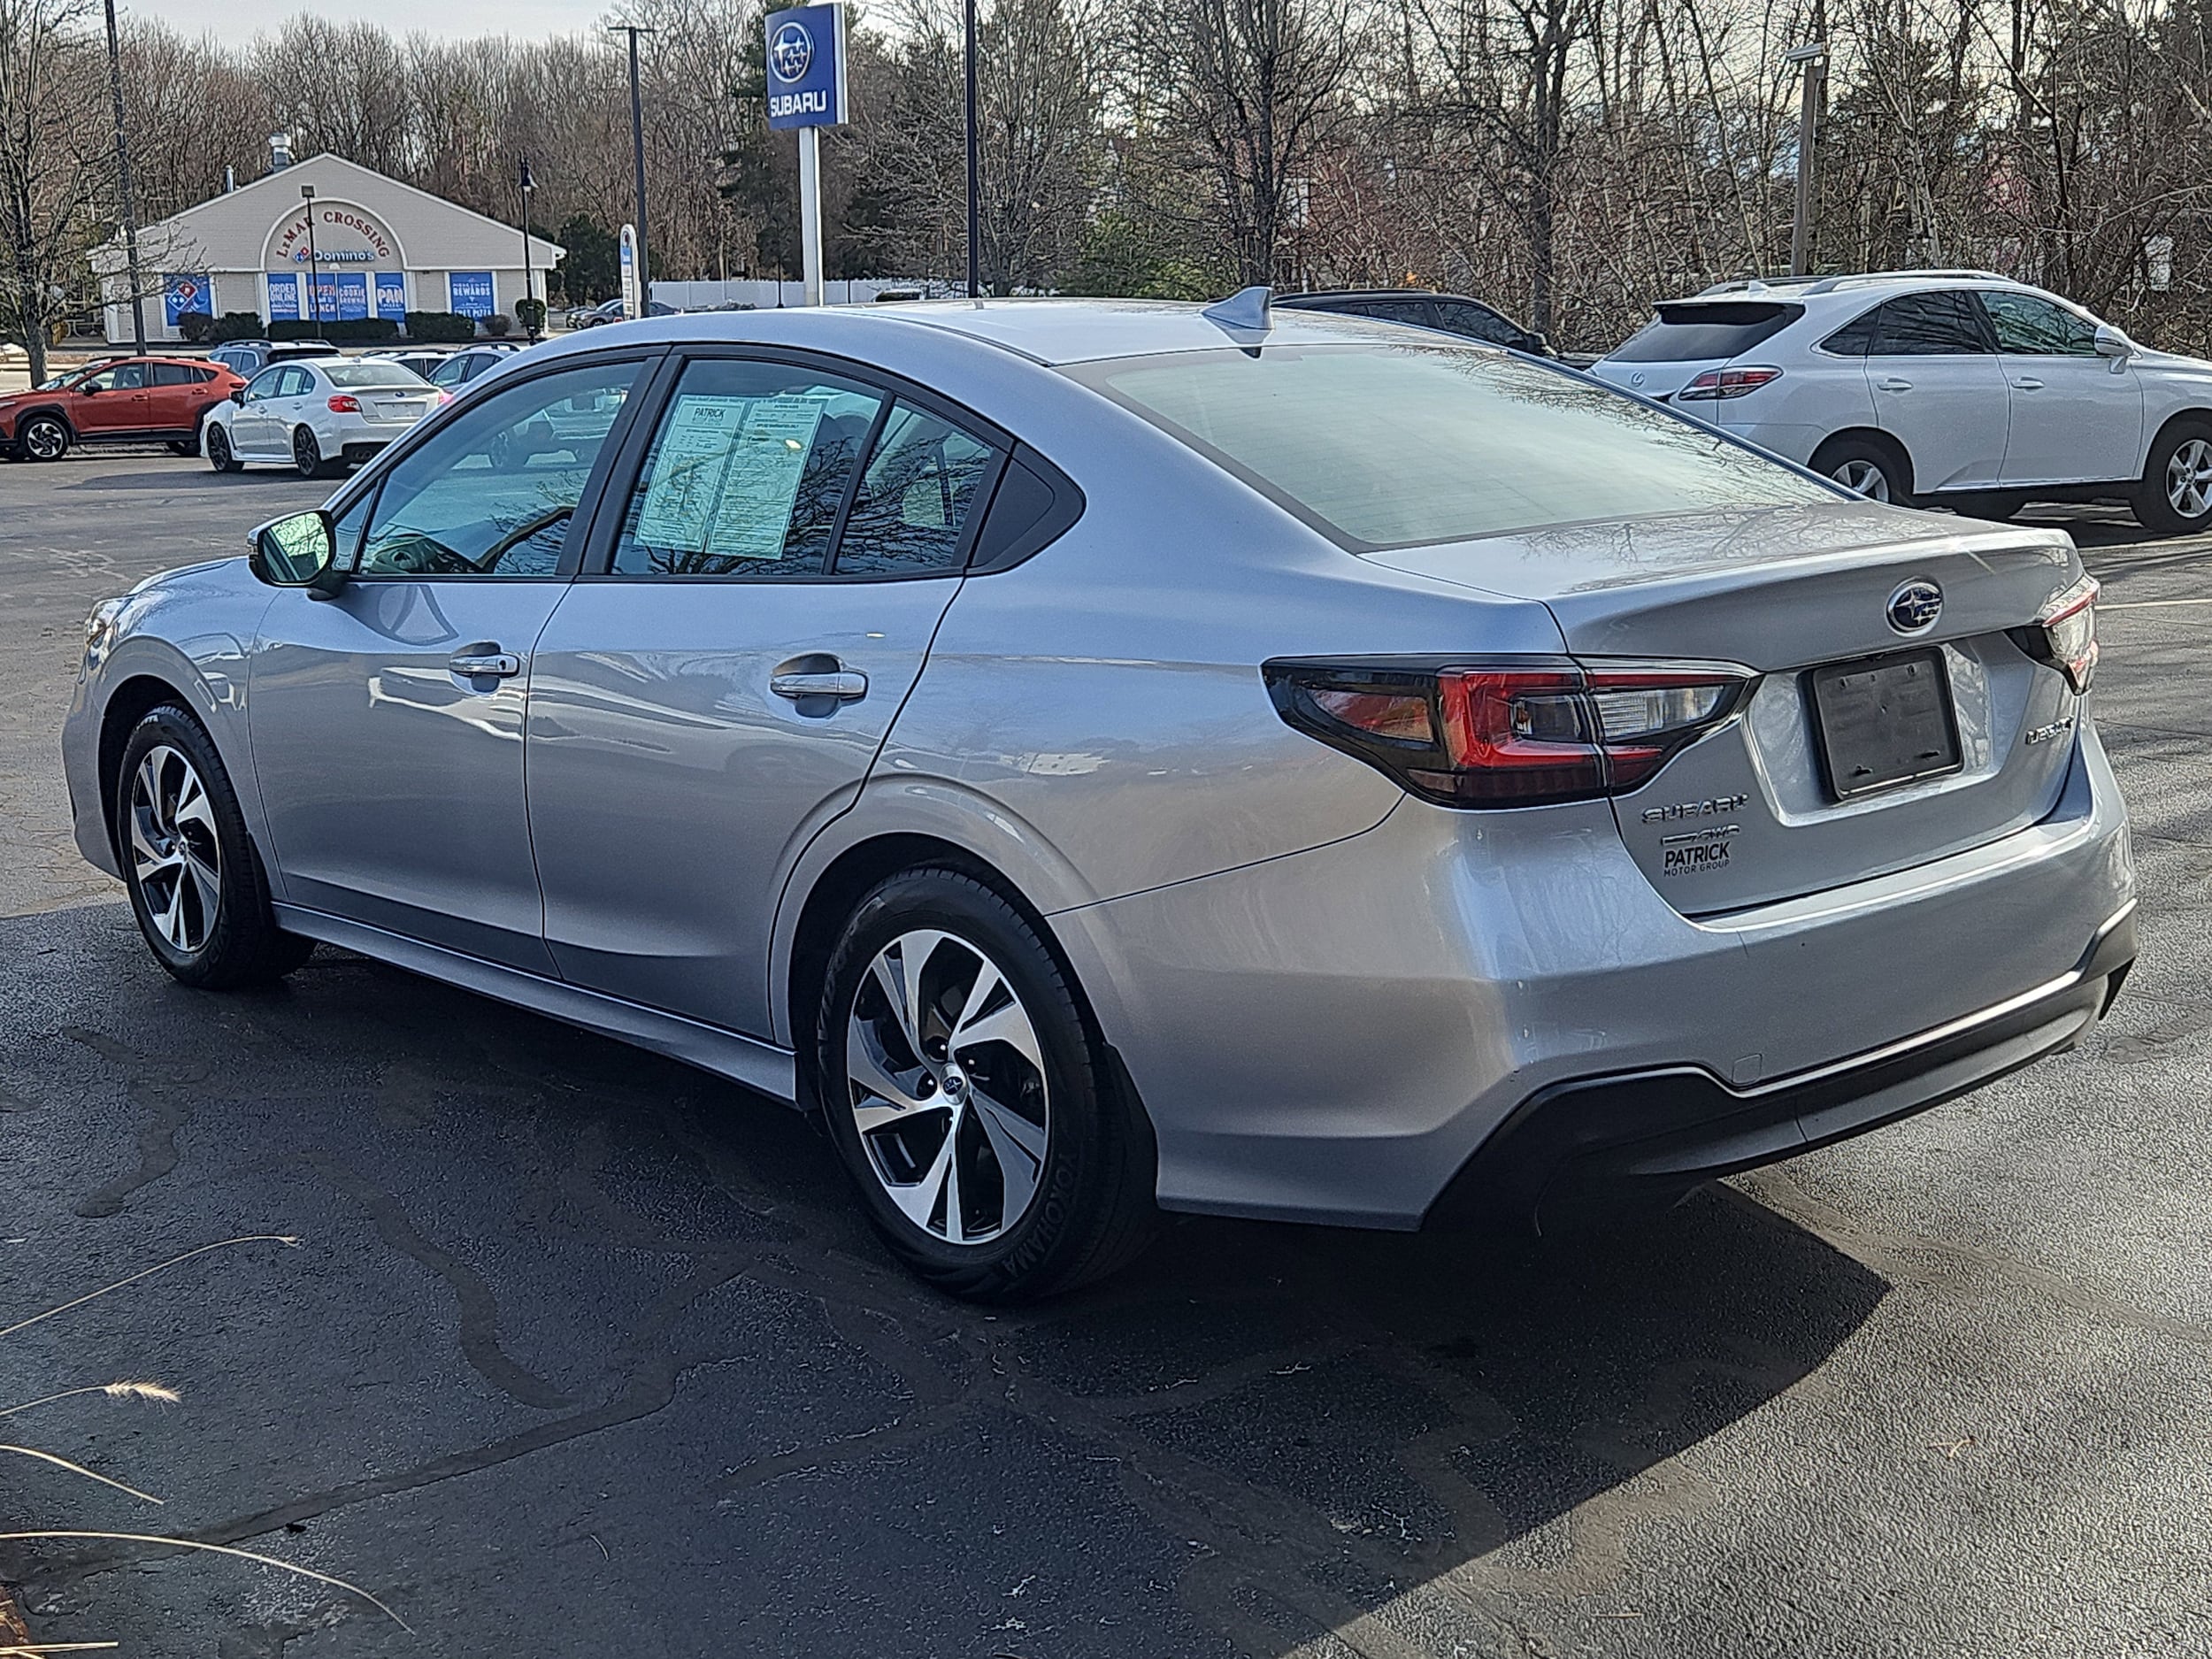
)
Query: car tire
[
  {"x": 44, "y": 437},
  {"x": 221, "y": 455},
  {"x": 1866, "y": 465},
  {"x": 307, "y": 455},
  {"x": 197, "y": 883},
  {"x": 941, "y": 1003},
  {"x": 1997, "y": 506},
  {"x": 2175, "y": 494},
  {"x": 192, "y": 445}
]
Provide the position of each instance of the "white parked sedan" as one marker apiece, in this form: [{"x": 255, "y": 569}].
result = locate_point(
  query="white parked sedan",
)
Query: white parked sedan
[{"x": 320, "y": 417}]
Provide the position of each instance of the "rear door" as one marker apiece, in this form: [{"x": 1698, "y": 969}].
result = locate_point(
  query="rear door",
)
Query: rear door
[
  {"x": 1939, "y": 389},
  {"x": 177, "y": 395},
  {"x": 2074, "y": 417},
  {"x": 716, "y": 686}
]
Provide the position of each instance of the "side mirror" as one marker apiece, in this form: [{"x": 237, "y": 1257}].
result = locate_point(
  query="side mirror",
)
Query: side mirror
[
  {"x": 239, "y": 397},
  {"x": 87, "y": 390},
  {"x": 300, "y": 550},
  {"x": 1540, "y": 345},
  {"x": 2112, "y": 343}
]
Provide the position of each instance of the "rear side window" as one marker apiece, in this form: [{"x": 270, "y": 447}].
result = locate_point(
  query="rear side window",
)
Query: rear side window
[
  {"x": 747, "y": 473},
  {"x": 915, "y": 498},
  {"x": 1399, "y": 445},
  {"x": 1942, "y": 325},
  {"x": 177, "y": 374},
  {"x": 1689, "y": 331},
  {"x": 1855, "y": 338},
  {"x": 1478, "y": 322}
]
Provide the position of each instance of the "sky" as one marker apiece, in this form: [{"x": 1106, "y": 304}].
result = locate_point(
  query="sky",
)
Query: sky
[{"x": 235, "y": 20}]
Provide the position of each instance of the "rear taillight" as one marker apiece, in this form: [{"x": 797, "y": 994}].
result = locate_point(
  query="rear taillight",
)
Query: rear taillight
[
  {"x": 1524, "y": 733},
  {"x": 2064, "y": 634},
  {"x": 1716, "y": 384},
  {"x": 344, "y": 403}
]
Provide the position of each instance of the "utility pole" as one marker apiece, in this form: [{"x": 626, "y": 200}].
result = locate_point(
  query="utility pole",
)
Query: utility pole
[
  {"x": 314, "y": 280},
  {"x": 1812, "y": 62},
  {"x": 637, "y": 157},
  {"x": 528, "y": 185},
  {"x": 975, "y": 195},
  {"x": 123, "y": 187}
]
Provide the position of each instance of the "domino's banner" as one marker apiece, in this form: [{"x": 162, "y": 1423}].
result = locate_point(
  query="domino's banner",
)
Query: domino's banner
[
  {"x": 183, "y": 294},
  {"x": 470, "y": 293},
  {"x": 284, "y": 296},
  {"x": 806, "y": 66},
  {"x": 391, "y": 295}
]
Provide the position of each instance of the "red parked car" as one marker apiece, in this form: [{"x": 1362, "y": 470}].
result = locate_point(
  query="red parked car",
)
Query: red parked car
[{"x": 134, "y": 398}]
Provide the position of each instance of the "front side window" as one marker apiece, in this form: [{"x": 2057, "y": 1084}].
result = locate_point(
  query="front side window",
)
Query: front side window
[
  {"x": 1409, "y": 310},
  {"x": 1407, "y": 444},
  {"x": 747, "y": 472},
  {"x": 1940, "y": 325},
  {"x": 492, "y": 493},
  {"x": 1478, "y": 322},
  {"x": 122, "y": 377},
  {"x": 2027, "y": 325},
  {"x": 915, "y": 498},
  {"x": 452, "y": 372},
  {"x": 264, "y": 384}
]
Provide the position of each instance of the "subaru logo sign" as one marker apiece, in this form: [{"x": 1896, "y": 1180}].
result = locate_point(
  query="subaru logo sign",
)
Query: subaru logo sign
[
  {"x": 1915, "y": 606},
  {"x": 792, "y": 52},
  {"x": 806, "y": 66}
]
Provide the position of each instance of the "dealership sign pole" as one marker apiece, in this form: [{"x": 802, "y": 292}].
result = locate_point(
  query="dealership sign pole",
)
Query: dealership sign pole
[{"x": 806, "y": 90}]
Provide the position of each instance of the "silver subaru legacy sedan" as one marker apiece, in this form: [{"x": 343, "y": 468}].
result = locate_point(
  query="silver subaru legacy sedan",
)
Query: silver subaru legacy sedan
[{"x": 1112, "y": 757}]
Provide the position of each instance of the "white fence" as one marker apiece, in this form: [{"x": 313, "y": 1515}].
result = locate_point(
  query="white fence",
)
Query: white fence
[{"x": 692, "y": 297}]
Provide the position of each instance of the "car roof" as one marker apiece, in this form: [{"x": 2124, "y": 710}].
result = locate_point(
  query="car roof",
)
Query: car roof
[
  {"x": 1376, "y": 293},
  {"x": 1853, "y": 285},
  {"x": 1043, "y": 331}
]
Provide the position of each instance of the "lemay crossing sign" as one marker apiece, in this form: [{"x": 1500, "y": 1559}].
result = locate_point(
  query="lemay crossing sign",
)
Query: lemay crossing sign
[{"x": 806, "y": 90}]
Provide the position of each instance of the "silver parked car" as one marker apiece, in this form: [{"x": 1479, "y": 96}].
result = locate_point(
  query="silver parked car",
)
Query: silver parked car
[{"x": 1110, "y": 756}]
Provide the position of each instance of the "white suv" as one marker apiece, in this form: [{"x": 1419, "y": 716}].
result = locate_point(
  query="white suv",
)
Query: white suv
[{"x": 1938, "y": 388}]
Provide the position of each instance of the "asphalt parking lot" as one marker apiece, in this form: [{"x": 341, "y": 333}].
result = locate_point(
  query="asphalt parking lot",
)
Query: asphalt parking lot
[{"x": 580, "y": 1352}]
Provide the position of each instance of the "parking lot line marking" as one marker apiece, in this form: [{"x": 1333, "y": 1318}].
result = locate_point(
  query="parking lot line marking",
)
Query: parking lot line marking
[{"x": 2152, "y": 604}]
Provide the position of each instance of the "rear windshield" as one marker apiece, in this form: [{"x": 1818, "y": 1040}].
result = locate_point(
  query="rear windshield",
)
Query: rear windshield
[
  {"x": 1399, "y": 445},
  {"x": 365, "y": 376},
  {"x": 1689, "y": 331}
]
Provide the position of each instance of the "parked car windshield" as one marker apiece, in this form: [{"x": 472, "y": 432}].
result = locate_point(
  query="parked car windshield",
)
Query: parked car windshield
[
  {"x": 367, "y": 376},
  {"x": 1689, "y": 331},
  {"x": 1399, "y": 445}
]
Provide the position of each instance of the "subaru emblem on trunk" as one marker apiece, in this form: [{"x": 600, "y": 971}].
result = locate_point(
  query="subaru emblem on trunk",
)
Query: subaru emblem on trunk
[{"x": 1915, "y": 606}]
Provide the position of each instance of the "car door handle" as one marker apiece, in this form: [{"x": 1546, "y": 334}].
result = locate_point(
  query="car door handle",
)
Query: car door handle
[
  {"x": 485, "y": 664},
  {"x": 842, "y": 683},
  {"x": 2029, "y": 385},
  {"x": 1893, "y": 384}
]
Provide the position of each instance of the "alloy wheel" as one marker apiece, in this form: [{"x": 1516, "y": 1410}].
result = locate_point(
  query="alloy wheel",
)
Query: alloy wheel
[
  {"x": 176, "y": 858},
  {"x": 45, "y": 440},
  {"x": 307, "y": 456},
  {"x": 2189, "y": 478},
  {"x": 948, "y": 1090},
  {"x": 1864, "y": 477}
]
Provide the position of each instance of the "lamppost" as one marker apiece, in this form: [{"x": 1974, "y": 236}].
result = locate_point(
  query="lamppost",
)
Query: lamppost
[
  {"x": 637, "y": 157},
  {"x": 975, "y": 202},
  {"x": 314, "y": 281},
  {"x": 529, "y": 184},
  {"x": 123, "y": 185},
  {"x": 1812, "y": 61}
]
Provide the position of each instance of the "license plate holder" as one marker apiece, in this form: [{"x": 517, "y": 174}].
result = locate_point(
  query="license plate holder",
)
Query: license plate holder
[{"x": 1883, "y": 722}]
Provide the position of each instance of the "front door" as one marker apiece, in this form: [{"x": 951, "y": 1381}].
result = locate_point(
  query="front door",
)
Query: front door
[
  {"x": 1937, "y": 388},
  {"x": 254, "y": 429},
  {"x": 719, "y": 694},
  {"x": 113, "y": 401},
  {"x": 2076, "y": 418},
  {"x": 388, "y": 721}
]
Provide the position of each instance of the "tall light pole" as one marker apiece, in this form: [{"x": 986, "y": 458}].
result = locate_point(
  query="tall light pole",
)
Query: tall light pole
[
  {"x": 637, "y": 156},
  {"x": 528, "y": 185},
  {"x": 975, "y": 195},
  {"x": 314, "y": 281},
  {"x": 123, "y": 187},
  {"x": 1812, "y": 62}
]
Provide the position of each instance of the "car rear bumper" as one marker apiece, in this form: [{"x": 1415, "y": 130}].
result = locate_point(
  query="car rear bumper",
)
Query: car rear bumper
[
  {"x": 1332, "y": 1036},
  {"x": 1594, "y": 1147}
]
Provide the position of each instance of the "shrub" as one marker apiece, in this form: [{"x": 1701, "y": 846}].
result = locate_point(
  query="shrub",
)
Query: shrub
[
  {"x": 236, "y": 326},
  {"x": 449, "y": 327},
  {"x": 497, "y": 325},
  {"x": 531, "y": 314},
  {"x": 195, "y": 326},
  {"x": 349, "y": 331}
]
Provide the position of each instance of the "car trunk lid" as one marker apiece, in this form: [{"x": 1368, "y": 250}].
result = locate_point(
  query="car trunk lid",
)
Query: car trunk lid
[{"x": 1800, "y": 791}]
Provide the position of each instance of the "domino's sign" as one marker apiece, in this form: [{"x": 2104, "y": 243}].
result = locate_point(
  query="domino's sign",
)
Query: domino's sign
[{"x": 806, "y": 66}]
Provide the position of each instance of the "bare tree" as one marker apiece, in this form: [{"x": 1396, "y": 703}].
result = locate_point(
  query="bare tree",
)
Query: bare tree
[{"x": 55, "y": 160}]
